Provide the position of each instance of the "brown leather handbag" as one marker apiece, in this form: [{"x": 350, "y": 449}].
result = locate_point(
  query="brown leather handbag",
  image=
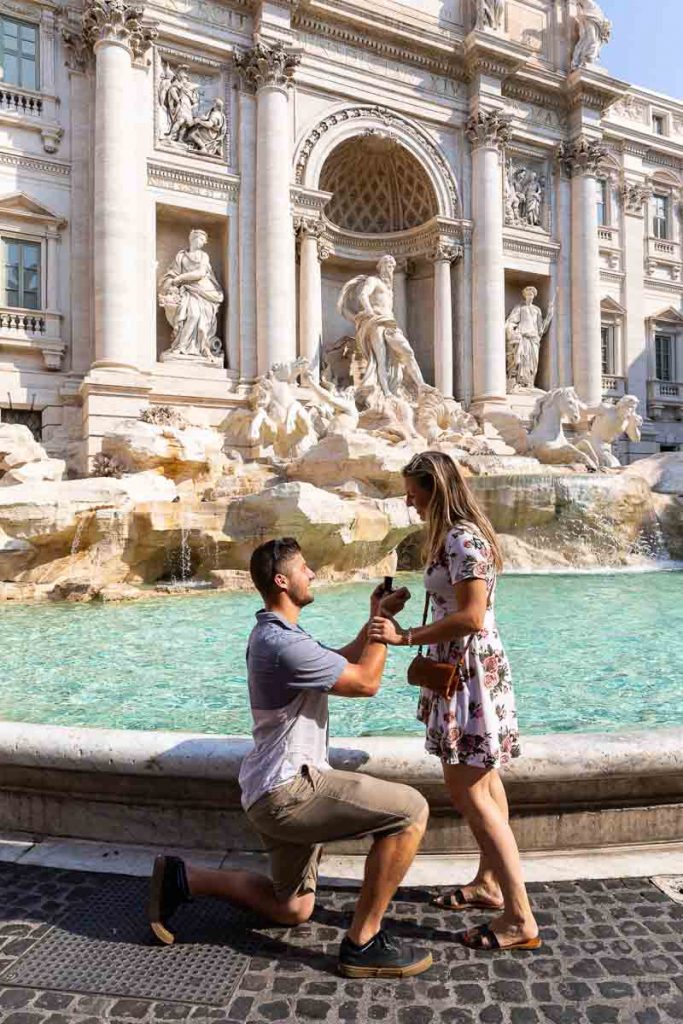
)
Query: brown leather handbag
[{"x": 442, "y": 677}]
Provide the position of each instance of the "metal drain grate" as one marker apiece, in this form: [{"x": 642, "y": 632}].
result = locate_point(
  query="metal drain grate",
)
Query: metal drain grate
[
  {"x": 670, "y": 885},
  {"x": 104, "y": 946}
]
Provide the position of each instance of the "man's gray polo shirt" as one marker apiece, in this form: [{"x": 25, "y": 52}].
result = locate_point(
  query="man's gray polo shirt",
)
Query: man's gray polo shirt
[{"x": 290, "y": 675}]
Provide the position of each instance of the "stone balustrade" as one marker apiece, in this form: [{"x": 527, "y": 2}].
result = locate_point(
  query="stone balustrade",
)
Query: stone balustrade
[
  {"x": 613, "y": 386},
  {"x": 21, "y": 101},
  {"x": 33, "y": 329}
]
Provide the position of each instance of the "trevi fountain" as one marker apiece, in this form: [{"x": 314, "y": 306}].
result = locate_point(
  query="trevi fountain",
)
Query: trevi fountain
[{"x": 272, "y": 408}]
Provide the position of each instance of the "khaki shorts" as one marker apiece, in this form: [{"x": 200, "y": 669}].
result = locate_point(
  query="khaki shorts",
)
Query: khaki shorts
[{"x": 317, "y": 807}]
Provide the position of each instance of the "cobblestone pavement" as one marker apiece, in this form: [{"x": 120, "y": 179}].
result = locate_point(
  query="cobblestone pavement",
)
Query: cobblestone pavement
[{"x": 612, "y": 954}]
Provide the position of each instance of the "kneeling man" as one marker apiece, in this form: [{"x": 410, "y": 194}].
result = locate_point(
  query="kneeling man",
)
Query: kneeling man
[{"x": 291, "y": 795}]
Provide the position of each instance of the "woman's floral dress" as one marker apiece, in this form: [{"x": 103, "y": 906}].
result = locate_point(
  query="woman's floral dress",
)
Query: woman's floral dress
[{"x": 478, "y": 726}]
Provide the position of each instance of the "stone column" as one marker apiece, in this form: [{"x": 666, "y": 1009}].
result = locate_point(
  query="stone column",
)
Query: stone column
[
  {"x": 581, "y": 161},
  {"x": 246, "y": 154},
  {"x": 442, "y": 257},
  {"x": 488, "y": 133},
  {"x": 309, "y": 230},
  {"x": 635, "y": 196},
  {"x": 401, "y": 295},
  {"x": 52, "y": 291},
  {"x": 115, "y": 30},
  {"x": 270, "y": 70}
]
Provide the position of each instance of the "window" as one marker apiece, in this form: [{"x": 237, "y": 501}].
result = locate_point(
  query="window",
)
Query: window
[
  {"x": 19, "y": 53},
  {"x": 664, "y": 357},
  {"x": 608, "y": 355},
  {"x": 31, "y": 418},
  {"x": 22, "y": 273},
  {"x": 658, "y": 124},
  {"x": 601, "y": 189},
  {"x": 660, "y": 216}
]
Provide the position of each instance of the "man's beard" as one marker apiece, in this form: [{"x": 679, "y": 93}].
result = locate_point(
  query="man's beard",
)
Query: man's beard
[{"x": 301, "y": 600}]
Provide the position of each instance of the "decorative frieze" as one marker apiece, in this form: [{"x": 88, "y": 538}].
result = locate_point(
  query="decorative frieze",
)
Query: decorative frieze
[
  {"x": 634, "y": 195},
  {"x": 581, "y": 156},
  {"x": 195, "y": 183},
  {"x": 30, "y": 163},
  {"x": 266, "y": 65},
  {"x": 490, "y": 128},
  {"x": 117, "y": 21}
]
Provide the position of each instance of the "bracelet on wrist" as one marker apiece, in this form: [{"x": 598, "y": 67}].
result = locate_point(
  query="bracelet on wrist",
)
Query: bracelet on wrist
[{"x": 409, "y": 635}]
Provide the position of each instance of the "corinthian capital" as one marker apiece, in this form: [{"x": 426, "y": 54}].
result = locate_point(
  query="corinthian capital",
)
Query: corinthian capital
[
  {"x": 582, "y": 156},
  {"x": 490, "y": 129},
  {"x": 120, "y": 22},
  {"x": 445, "y": 252},
  {"x": 634, "y": 195},
  {"x": 267, "y": 65}
]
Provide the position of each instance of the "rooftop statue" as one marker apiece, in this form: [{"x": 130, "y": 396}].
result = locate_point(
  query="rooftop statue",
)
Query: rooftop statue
[
  {"x": 594, "y": 31},
  {"x": 490, "y": 14},
  {"x": 191, "y": 296}
]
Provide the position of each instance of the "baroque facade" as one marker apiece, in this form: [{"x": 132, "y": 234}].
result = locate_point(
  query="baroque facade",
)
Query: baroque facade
[{"x": 185, "y": 187}]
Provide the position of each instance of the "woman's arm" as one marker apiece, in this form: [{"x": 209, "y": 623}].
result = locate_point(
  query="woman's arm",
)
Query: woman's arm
[{"x": 472, "y": 599}]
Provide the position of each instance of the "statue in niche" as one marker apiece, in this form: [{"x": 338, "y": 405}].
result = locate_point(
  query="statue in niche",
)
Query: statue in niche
[
  {"x": 594, "y": 31},
  {"x": 191, "y": 296},
  {"x": 178, "y": 97},
  {"x": 490, "y": 14},
  {"x": 611, "y": 420},
  {"x": 524, "y": 196},
  {"x": 367, "y": 301},
  {"x": 524, "y": 330}
]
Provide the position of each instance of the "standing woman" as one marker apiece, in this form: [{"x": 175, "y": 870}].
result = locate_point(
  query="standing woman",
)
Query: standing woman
[{"x": 475, "y": 732}]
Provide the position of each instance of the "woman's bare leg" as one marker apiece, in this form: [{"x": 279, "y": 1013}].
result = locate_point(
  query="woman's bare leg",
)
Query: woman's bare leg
[
  {"x": 485, "y": 885},
  {"x": 472, "y": 795}
]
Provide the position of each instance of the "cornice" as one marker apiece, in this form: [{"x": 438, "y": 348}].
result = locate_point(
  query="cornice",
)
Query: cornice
[
  {"x": 31, "y": 163},
  {"x": 593, "y": 89},
  {"x": 438, "y": 233},
  {"x": 489, "y": 54},
  {"x": 378, "y": 45},
  {"x": 180, "y": 179},
  {"x": 530, "y": 247}
]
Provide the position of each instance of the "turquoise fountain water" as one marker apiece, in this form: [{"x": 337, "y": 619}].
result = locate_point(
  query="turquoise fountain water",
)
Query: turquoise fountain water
[{"x": 588, "y": 652}]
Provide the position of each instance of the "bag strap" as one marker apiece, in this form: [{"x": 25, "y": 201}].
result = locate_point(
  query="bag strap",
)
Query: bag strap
[{"x": 489, "y": 591}]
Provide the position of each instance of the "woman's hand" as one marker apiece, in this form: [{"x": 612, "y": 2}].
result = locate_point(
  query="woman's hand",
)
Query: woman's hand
[
  {"x": 388, "y": 604},
  {"x": 385, "y": 631}
]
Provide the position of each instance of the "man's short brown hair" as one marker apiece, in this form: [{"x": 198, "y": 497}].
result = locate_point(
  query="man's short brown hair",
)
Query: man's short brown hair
[{"x": 268, "y": 560}]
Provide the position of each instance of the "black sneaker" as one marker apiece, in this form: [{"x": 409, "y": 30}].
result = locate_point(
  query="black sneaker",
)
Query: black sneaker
[
  {"x": 381, "y": 957},
  {"x": 168, "y": 890}
]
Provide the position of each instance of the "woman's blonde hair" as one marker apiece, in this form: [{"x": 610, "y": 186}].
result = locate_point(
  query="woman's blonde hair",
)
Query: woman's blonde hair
[{"x": 451, "y": 502}]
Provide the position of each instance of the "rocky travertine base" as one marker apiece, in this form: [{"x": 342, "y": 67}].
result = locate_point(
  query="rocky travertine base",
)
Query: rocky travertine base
[{"x": 179, "y": 509}]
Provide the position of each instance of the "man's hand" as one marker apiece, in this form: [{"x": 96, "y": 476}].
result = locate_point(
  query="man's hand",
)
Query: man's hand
[
  {"x": 388, "y": 604},
  {"x": 385, "y": 631}
]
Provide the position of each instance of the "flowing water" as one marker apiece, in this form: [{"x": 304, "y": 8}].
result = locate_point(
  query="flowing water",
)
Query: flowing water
[{"x": 589, "y": 652}]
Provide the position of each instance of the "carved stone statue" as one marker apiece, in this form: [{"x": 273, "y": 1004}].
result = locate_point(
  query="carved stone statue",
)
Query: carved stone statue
[
  {"x": 524, "y": 196},
  {"x": 609, "y": 423},
  {"x": 206, "y": 134},
  {"x": 546, "y": 438},
  {"x": 337, "y": 412},
  {"x": 367, "y": 301},
  {"x": 594, "y": 31},
  {"x": 524, "y": 330},
  {"x": 178, "y": 97},
  {"x": 490, "y": 14},
  {"x": 191, "y": 296},
  {"x": 275, "y": 424}
]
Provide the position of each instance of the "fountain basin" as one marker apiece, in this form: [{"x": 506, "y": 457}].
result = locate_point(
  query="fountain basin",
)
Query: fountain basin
[{"x": 160, "y": 788}]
